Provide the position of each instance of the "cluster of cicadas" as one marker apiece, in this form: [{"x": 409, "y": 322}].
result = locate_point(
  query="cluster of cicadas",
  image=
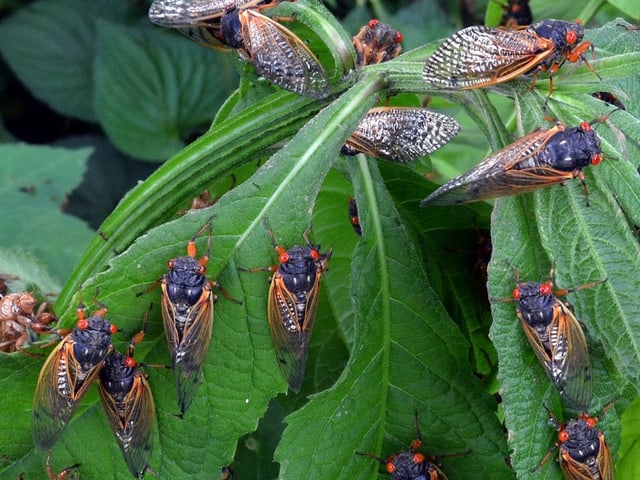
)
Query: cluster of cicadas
[{"x": 474, "y": 57}]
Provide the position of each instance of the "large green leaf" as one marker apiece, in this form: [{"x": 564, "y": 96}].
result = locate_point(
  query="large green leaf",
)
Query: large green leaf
[
  {"x": 155, "y": 89},
  {"x": 35, "y": 183},
  {"x": 50, "y": 46},
  {"x": 407, "y": 355}
]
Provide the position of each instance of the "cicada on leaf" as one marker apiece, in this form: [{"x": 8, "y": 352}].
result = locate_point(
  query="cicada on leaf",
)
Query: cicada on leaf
[
  {"x": 292, "y": 304},
  {"x": 67, "y": 374},
  {"x": 401, "y": 134},
  {"x": 583, "y": 453},
  {"x": 376, "y": 42},
  {"x": 516, "y": 13},
  {"x": 127, "y": 401},
  {"x": 352, "y": 208},
  {"x": 557, "y": 338},
  {"x": 410, "y": 464},
  {"x": 480, "y": 56},
  {"x": 544, "y": 157},
  {"x": 187, "y": 314}
]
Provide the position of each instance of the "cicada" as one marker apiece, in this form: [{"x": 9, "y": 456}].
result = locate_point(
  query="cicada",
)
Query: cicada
[
  {"x": 517, "y": 13},
  {"x": 352, "y": 207},
  {"x": 556, "y": 337},
  {"x": 187, "y": 314},
  {"x": 401, "y": 134},
  {"x": 67, "y": 374},
  {"x": 63, "y": 475},
  {"x": 127, "y": 401},
  {"x": 276, "y": 53},
  {"x": 410, "y": 464},
  {"x": 19, "y": 321},
  {"x": 609, "y": 98},
  {"x": 583, "y": 453},
  {"x": 198, "y": 19},
  {"x": 293, "y": 302},
  {"x": 376, "y": 42},
  {"x": 544, "y": 157},
  {"x": 480, "y": 56}
]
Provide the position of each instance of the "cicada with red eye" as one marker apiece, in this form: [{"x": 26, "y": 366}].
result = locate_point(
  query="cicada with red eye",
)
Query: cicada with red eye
[
  {"x": 517, "y": 13},
  {"x": 401, "y": 134},
  {"x": 583, "y": 453},
  {"x": 556, "y": 337},
  {"x": 67, "y": 374},
  {"x": 544, "y": 157},
  {"x": 480, "y": 56},
  {"x": 410, "y": 464},
  {"x": 376, "y": 42},
  {"x": 187, "y": 314},
  {"x": 293, "y": 302},
  {"x": 127, "y": 401}
]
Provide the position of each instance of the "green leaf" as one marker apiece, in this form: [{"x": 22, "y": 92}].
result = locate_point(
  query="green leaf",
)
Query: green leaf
[
  {"x": 35, "y": 183},
  {"x": 400, "y": 330},
  {"x": 628, "y": 7},
  {"x": 155, "y": 89},
  {"x": 50, "y": 46}
]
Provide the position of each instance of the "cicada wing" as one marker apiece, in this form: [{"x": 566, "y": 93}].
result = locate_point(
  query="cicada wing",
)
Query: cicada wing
[
  {"x": 605, "y": 462},
  {"x": 290, "y": 332},
  {"x": 571, "y": 364},
  {"x": 193, "y": 348},
  {"x": 500, "y": 174},
  {"x": 480, "y": 56},
  {"x": 281, "y": 57},
  {"x": 132, "y": 422},
  {"x": 61, "y": 384},
  {"x": 402, "y": 134}
]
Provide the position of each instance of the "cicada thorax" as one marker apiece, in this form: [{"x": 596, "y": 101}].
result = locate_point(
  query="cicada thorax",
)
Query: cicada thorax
[
  {"x": 292, "y": 307},
  {"x": 67, "y": 374},
  {"x": 542, "y": 158},
  {"x": 376, "y": 42},
  {"x": 401, "y": 134},
  {"x": 128, "y": 403},
  {"x": 558, "y": 341}
]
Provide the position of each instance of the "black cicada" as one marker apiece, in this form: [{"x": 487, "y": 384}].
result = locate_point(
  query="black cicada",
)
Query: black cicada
[
  {"x": 480, "y": 56},
  {"x": 583, "y": 451},
  {"x": 376, "y": 42},
  {"x": 127, "y": 401},
  {"x": 544, "y": 157},
  {"x": 401, "y": 134},
  {"x": 293, "y": 302},
  {"x": 411, "y": 465},
  {"x": 517, "y": 13},
  {"x": 67, "y": 374},
  {"x": 556, "y": 337}
]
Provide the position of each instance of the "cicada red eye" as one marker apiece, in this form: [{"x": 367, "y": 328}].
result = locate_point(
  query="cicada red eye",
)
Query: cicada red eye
[
  {"x": 372, "y": 23},
  {"x": 546, "y": 288},
  {"x": 391, "y": 468},
  {"x": 399, "y": 37},
  {"x": 563, "y": 436},
  {"x": 82, "y": 324},
  {"x": 130, "y": 362},
  {"x": 585, "y": 126},
  {"x": 314, "y": 254},
  {"x": 516, "y": 293},
  {"x": 572, "y": 37},
  {"x": 418, "y": 458},
  {"x": 284, "y": 257}
]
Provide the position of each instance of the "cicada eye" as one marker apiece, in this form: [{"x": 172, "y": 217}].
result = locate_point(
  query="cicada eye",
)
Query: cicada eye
[
  {"x": 596, "y": 158},
  {"x": 563, "y": 436},
  {"x": 82, "y": 324},
  {"x": 399, "y": 37},
  {"x": 130, "y": 362},
  {"x": 171, "y": 263},
  {"x": 516, "y": 293},
  {"x": 314, "y": 254},
  {"x": 391, "y": 468},
  {"x": 546, "y": 289},
  {"x": 571, "y": 37},
  {"x": 418, "y": 458},
  {"x": 585, "y": 126},
  {"x": 113, "y": 329},
  {"x": 284, "y": 257},
  {"x": 373, "y": 23}
]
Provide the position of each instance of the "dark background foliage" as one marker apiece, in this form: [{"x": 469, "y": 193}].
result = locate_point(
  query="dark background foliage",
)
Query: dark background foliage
[{"x": 94, "y": 101}]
